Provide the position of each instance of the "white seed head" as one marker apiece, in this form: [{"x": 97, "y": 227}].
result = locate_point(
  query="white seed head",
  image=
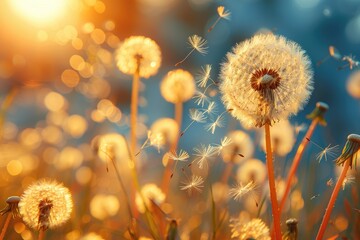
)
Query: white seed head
[
  {"x": 252, "y": 170},
  {"x": 265, "y": 79},
  {"x": 46, "y": 194},
  {"x": 178, "y": 86},
  {"x": 138, "y": 52},
  {"x": 241, "y": 143},
  {"x": 167, "y": 128}
]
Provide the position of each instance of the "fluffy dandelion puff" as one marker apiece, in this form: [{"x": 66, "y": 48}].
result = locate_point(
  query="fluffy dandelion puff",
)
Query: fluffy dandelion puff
[
  {"x": 223, "y": 13},
  {"x": 252, "y": 170},
  {"x": 150, "y": 192},
  {"x": 241, "y": 147},
  {"x": 240, "y": 190},
  {"x": 196, "y": 183},
  {"x": 46, "y": 204},
  {"x": 265, "y": 79},
  {"x": 178, "y": 86},
  {"x": 255, "y": 229},
  {"x": 353, "y": 85},
  {"x": 196, "y": 43},
  {"x": 164, "y": 131},
  {"x": 138, "y": 52}
]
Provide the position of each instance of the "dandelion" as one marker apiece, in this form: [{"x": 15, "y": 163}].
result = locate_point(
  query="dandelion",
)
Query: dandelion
[
  {"x": 178, "y": 86},
  {"x": 255, "y": 229},
  {"x": 103, "y": 206},
  {"x": 347, "y": 159},
  {"x": 46, "y": 204},
  {"x": 241, "y": 143},
  {"x": 240, "y": 190},
  {"x": 193, "y": 184},
  {"x": 138, "y": 53},
  {"x": 252, "y": 170},
  {"x": 13, "y": 208},
  {"x": 204, "y": 76},
  {"x": 202, "y": 154},
  {"x": 197, "y": 43},
  {"x": 225, "y": 14},
  {"x": 164, "y": 131},
  {"x": 353, "y": 85}
]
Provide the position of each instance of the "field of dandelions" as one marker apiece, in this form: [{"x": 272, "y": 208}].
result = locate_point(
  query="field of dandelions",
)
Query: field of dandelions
[{"x": 173, "y": 119}]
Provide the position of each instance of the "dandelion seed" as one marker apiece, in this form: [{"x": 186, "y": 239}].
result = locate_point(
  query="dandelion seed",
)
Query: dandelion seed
[
  {"x": 351, "y": 62},
  {"x": 348, "y": 180},
  {"x": 194, "y": 184},
  {"x": 223, "y": 143},
  {"x": 46, "y": 204},
  {"x": 200, "y": 98},
  {"x": 315, "y": 196},
  {"x": 330, "y": 182},
  {"x": 327, "y": 151},
  {"x": 181, "y": 156},
  {"x": 204, "y": 76},
  {"x": 219, "y": 122},
  {"x": 225, "y": 14},
  {"x": 197, "y": 43},
  {"x": 211, "y": 109},
  {"x": 333, "y": 52},
  {"x": 258, "y": 80},
  {"x": 299, "y": 128},
  {"x": 202, "y": 154},
  {"x": 240, "y": 190},
  {"x": 196, "y": 116}
]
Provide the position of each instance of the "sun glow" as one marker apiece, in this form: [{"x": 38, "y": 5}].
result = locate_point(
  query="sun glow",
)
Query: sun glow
[{"x": 40, "y": 11}]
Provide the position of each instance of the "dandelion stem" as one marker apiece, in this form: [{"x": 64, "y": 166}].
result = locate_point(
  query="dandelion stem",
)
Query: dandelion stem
[
  {"x": 5, "y": 227},
  {"x": 167, "y": 174},
  {"x": 296, "y": 162},
  {"x": 332, "y": 200},
  {"x": 178, "y": 63},
  {"x": 270, "y": 168},
  {"x": 227, "y": 172},
  {"x": 9, "y": 98},
  {"x": 134, "y": 108},
  {"x": 41, "y": 234}
]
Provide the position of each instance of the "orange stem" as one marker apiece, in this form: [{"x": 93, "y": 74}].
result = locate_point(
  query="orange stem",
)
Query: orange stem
[
  {"x": 296, "y": 161},
  {"x": 6, "y": 225},
  {"x": 332, "y": 200},
  {"x": 167, "y": 173},
  {"x": 270, "y": 168},
  {"x": 134, "y": 110},
  {"x": 41, "y": 234},
  {"x": 227, "y": 172}
]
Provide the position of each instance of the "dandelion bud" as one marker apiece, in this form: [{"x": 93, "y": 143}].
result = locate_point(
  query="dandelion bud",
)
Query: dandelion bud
[
  {"x": 12, "y": 206},
  {"x": 46, "y": 204},
  {"x": 353, "y": 85},
  {"x": 292, "y": 230},
  {"x": 178, "y": 86},
  {"x": 265, "y": 79},
  {"x": 241, "y": 143},
  {"x": 138, "y": 53},
  {"x": 350, "y": 151},
  {"x": 319, "y": 112}
]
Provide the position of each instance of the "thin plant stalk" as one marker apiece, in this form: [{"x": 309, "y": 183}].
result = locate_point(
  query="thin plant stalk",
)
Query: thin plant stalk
[
  {"x": 332, "y": 200},
  {"x": 134, "y": 107},
  {"x": 41, "y": 234},
  {"x": 5, "y": 227},
  {"x": 270, "y": 168},
  {"x": 167, "y": 174},
  {"x": 227, "y": 172},
  {"x": 9, "y": 99},
  {"x": 296, "y": 161}
]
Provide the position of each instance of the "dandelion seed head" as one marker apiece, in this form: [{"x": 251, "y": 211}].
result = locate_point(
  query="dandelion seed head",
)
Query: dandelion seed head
[
  {"x": 350, "y": 151},
  {"x": 12, "y": 207},
  {"x": 111, "y": 146},
  {"x": 252, "y": 170},
  {"x": 255, "y": 229},
  {"x": 258, "y": 80},
  {"x": 241, "y": 143},
  {"x": 178, "y": 86},
  {"x": 41, "y": 194},
  {"x": 196, "y": 183},
  {"x": 167, "y": 128},
  {"x": 150, "y": 191},
  {"x": 204, "y": 76},
  {"x": 282, "y": 138},
  {"x": 223, "y": 13},
  {"x": 353, "y": 84},
  {"x": 138, "y": 50},
  {"x": 198, "y": 43},
  {"x": 202, "y": 155},
  {"x": 319, "y": 112}
]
